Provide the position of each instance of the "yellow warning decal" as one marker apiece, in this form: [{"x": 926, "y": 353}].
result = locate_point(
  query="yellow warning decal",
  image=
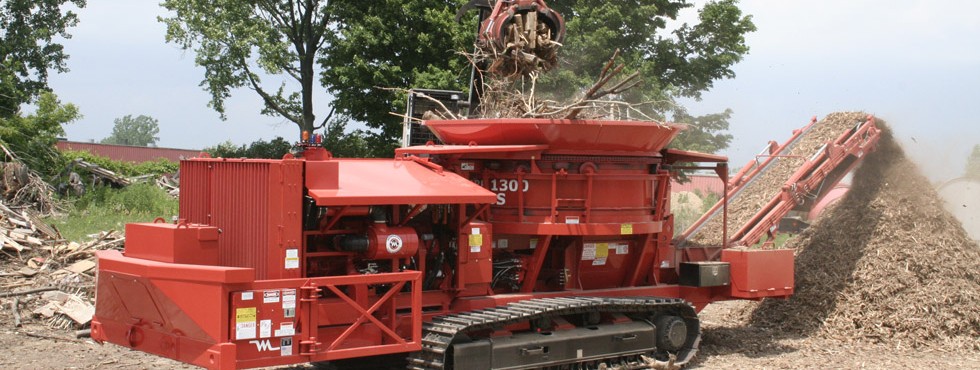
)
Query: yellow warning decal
[
  {"x": 476, "y": 240},
  {"x": 626, "y": 229},
  {"x": 602, "y": 250},
  {"x": 245, "y": 314}
]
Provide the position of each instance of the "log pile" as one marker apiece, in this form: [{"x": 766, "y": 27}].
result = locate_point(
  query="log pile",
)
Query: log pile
[{"x": 887, "y": 265}]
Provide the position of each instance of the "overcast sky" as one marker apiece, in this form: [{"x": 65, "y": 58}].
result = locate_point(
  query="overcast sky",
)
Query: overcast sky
[{"x": 915, "y": 64}]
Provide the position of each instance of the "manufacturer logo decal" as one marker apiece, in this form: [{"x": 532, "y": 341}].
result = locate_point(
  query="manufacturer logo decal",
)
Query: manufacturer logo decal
[
  {"x": 263, "y": 345},
  {"x": 393, "y": 244}
]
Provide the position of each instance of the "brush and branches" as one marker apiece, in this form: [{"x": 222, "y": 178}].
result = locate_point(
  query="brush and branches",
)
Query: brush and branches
[
  {"x": 21, "y": 186},
  {"x": 504, "y": 97}
]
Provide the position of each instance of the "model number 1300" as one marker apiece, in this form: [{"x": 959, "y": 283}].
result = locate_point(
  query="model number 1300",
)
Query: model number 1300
[
  {"x": 508, "y": 185},
  {"x": 501, "y": 186}
]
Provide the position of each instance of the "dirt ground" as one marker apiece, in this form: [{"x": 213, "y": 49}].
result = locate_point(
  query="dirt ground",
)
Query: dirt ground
[{"x": 727, "y": 344}]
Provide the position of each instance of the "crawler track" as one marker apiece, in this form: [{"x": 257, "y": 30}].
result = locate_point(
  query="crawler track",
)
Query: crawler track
[{"x": 442, "y": 333}]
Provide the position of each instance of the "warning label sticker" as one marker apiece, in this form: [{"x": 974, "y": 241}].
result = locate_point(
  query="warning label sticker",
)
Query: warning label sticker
[
  {"x": 285, "y": 330},
  {"x": 270, "y": 296},
  {"x": 286, "y": 347},
  {"x": 245, "y": 323},
  {"x": 626, "y": 229},
  {"x": 588, "y": 252},
  {"x": 292, "y": 258},
  {"x": 476, "y": 240},
  {"x": 289, "y": 298},
  {"x": 622, "y": 248},
  {"x": 599, "y": 261},
  {"x": 265, "y": 328},
  {"x": 602, "y": 250},
  {"x": 594, "y": 251}
]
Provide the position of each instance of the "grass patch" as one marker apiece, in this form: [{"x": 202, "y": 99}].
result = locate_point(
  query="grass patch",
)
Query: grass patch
[{"x": 105, "y": 208}]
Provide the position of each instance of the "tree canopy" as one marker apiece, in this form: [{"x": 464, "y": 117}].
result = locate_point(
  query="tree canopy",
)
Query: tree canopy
[
  {"x": 234, "y": 40},
  {"x": 413, "y": 43},
  {"x": 274, "y": 149},
  {"x": 32, "y": 137},
  {"x": 401, "y": 44},
  {"x": 28, "y": 51},
  {"x": 136, "y": 131},
  {"x": 357, "y": 48}
]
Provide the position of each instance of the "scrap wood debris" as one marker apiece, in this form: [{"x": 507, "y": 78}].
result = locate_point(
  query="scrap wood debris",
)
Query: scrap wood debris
[
  {"x": 21, "y": 186},
  {"x": 99, "y": 174},
  {"x": 44, "y": 277}
]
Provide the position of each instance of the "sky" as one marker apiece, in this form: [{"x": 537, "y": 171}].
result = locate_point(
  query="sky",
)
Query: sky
[{"x": 913, "y": 63}]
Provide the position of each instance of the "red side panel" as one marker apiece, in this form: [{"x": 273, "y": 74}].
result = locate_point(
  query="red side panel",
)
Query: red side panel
[
  {"x": 559, "y": 134},
  {"x": 173, "y": 243},
  {"x": 357, "y": 182},
  {"x": 255, "y": 203},
  {"x": 760, "y": 273}
]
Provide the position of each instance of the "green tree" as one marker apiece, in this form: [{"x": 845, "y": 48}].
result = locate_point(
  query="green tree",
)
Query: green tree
[
  {"x": 400, "y": 44},
  {"x": 973, "y": 163},
  {"x": 681, "y": 63},
  {"x": 31, "y": 138},
  {"x": 28, "y": 51},
  {"x": 136, "y": 131},
  {"x": 357, "y": 47},
  {"x": 351, "y": 144},
  {"x": 409, "y": 43},
  {"x": 274, "y": 149},
  {"x": 704, "y": 134},
  {"x": 234, "y": 40}
]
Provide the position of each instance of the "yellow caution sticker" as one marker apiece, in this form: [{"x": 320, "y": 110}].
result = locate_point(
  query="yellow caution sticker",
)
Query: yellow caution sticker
[
  {"x": 626, "y": 229},
  {"x": 602, "y": 250},
  {"x": 476, "y": 240},
  {"x": 245, "y": 314},
  {"x": 245, "y": 323}
]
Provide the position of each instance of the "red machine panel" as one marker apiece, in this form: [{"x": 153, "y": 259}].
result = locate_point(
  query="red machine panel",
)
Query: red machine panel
[
  {"x": 263, "y": 323},
  {"x": 259, "y": 219},
  {"x": 760, "y": 273},
  {"x": 173, "y": 243},
  {"x": 575, "y": 135},
  {"x": 604, "y": 263},
  {"x": 475, "y": 257}
]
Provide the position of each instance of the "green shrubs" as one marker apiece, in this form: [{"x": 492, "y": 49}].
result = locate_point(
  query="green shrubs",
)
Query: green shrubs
[
  {"x": 105, "y": 208},
  {"x": 157, "y": 167}
]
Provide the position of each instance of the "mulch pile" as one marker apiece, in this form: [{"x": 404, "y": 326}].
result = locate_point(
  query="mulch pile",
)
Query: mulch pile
[
  {"x": 888, "y": 265},
  {"x": 767, "y": 185}
]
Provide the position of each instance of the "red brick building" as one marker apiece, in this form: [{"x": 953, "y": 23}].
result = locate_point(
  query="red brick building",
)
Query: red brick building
[
  {"x": 126, "y": 153},
  {"x": 703, "y": 183}
]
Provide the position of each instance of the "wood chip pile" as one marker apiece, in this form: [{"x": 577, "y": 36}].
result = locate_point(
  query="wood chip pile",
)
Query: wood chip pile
[
  {"x": 767, "y": 185},
  {"x": 888, "y": 264}
]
